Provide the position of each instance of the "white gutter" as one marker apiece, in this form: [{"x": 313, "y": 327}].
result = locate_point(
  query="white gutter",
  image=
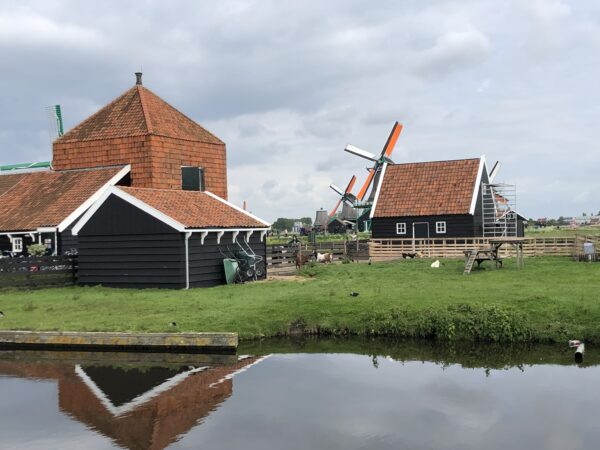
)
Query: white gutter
[{"x": 187, "y": 260}]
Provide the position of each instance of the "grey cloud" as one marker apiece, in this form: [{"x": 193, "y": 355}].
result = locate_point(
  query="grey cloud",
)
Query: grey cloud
[{"x": 288, "y": 85}]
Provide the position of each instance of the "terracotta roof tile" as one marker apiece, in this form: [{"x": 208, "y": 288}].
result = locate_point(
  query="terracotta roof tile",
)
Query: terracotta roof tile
[
  {"x": 194, "y": 209},
  {"x": 427, "y": 188},
  {"x": 40, "y": 199},
  {"x": 138, "y": 112}
]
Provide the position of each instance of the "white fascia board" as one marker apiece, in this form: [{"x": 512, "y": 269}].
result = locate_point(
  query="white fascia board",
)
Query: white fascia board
[
  {"x": 237, "y": 208},
  {"x": 47, "y": 229},
  {"x": 477, "y": 184},
  {"x": 114, "y": 190},
  {"x": 90, "y": 201},
  {"x": 15, "y": 233},
  {"x": 378, "y": 190}
]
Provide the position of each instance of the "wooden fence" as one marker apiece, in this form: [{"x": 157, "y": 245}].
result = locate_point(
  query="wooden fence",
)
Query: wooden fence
[
  {"x": 389, "y": 249},
  {"x": 38, "y": 272},
  {"x": 282, "y": 257}
]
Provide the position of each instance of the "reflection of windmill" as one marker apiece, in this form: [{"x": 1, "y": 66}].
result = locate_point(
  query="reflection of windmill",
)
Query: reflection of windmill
[{"x": 346, "y": 197}]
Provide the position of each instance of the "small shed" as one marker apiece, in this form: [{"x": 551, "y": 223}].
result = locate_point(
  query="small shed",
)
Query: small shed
[
  {"x": 338, "y": 226},
  {"x": 142, "y": 237}
]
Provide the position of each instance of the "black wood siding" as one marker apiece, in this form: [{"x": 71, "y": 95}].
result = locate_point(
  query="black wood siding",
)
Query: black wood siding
[
  {"x": 67, "y": 242},
  {"x": 122, "y": 246},
  {"x": 4, "y": 245},
  {"x": 456, "y": 226},
  {"x": 206, "y": 261}
]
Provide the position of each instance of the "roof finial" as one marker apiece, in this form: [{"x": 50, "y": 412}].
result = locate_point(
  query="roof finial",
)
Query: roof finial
[{"x": 138, "y": 78}]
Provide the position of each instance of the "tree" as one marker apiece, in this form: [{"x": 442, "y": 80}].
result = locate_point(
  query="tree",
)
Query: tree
[
  {"x": 306, "y": 221},
  {"x": 282, "y": 224}
]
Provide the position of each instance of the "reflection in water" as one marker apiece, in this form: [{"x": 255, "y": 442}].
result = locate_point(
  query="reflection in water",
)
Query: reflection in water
[
  {"x": 138, "y": 407},
  {"x": 310, "y": 394}
]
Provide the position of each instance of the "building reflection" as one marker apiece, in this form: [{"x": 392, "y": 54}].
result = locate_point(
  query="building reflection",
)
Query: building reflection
[{"x": 145, "y": 405}]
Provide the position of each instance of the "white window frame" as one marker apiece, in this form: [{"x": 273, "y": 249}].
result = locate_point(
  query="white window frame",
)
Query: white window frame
[
  {"x": 401, "y": 228},
  {"x": 17, "y": 245},
  {"x": 440, "y": 227}
]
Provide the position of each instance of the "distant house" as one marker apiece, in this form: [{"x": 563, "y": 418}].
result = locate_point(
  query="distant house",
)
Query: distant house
[{"x": 431, "y": 200}]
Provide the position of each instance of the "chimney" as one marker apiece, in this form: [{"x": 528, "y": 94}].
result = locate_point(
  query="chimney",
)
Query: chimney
[{"x": 138, "y": 78}]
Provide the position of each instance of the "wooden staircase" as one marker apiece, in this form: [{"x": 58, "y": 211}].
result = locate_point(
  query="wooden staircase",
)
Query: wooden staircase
[{"x": 470, "y": 260}]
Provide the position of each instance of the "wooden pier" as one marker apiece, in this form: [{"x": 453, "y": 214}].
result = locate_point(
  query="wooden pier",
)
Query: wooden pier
[{"x": 155, "y": 342}]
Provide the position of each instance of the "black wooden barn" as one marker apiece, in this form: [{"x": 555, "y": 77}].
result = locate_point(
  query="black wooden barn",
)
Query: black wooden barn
[
  {"x": 431, "y": 200},
  {"x": 338, "y": 226},
  {"x": 138, "y": 237}
]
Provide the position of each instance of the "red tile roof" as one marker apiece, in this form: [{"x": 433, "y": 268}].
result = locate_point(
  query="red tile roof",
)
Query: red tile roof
[
  {"x": 41, "y": 199},
  {"x": 195, "y": 209},
  {"x": 427, "y": 188},
  {"x": 138, "y": 112}
]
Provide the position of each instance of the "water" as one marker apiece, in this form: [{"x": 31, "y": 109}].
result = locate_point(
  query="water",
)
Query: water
[{"x": 316, "y": 394}]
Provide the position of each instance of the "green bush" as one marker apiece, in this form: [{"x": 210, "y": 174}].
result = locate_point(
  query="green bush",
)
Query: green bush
[{"x": 36, "y": 249}]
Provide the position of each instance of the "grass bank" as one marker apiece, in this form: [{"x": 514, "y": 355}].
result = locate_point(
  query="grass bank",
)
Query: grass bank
[{"x": 551, "y": 299}]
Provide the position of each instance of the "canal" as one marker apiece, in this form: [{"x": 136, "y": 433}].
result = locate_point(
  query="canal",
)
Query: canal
[{"x": 303, "y": 394}]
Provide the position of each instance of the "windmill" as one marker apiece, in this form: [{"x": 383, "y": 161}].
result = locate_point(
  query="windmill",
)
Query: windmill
[
  {"x": 346, "y": 196},
  {"x": 378, "y": 162}
]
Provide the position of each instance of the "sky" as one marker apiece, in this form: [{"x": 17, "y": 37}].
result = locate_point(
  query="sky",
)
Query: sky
[{"x": 287, "y": 85}]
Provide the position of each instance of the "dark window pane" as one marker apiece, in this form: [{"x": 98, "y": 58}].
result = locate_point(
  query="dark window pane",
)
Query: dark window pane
[{"x": 190, "y": 179}]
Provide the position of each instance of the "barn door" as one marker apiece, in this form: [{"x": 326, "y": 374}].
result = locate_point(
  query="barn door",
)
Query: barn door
[{"x": 420, "y": 230}]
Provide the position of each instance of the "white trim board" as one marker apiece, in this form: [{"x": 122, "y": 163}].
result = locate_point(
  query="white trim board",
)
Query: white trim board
[
  {"x": 237, "y": 208},
  {"x": 114, "y": 190},
  {"x": 477, "y": 184},
  {"x": 177, "y": 226},
  {"x": 90, "y": 201},
  {"x": 378, "y": 190}
]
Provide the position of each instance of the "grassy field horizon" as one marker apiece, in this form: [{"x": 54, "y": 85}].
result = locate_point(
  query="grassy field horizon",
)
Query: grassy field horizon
[{"x": 550, "y": 299}]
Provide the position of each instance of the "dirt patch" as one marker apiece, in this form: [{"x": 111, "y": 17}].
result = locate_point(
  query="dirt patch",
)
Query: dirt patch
[{"x": 291, "y": 277}]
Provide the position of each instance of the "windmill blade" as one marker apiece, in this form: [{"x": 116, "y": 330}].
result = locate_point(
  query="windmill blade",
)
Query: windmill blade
[
  {"x": 334, "y": 210},
  {"x": 360, "y": 152},
  {"x": 350, "y": 199},
  {"x": 365, "y": 187},
  {"x": 494, "y": 171},
  {"x": 336, "y": 189},
  {"x": 351, "y": 184},
  {"x": 388, "y": 148}
]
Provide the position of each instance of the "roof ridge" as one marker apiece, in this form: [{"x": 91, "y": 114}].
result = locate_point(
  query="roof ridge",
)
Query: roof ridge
[
  {"x": 65, "y": 137},
  {"x": 437, "y": 161},
  {"x": 192, "y": 121},
  {"x": 141, "y": 95}
]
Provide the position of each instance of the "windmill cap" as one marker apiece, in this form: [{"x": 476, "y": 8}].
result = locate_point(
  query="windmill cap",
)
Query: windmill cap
[{"x": 138, "y": 78}]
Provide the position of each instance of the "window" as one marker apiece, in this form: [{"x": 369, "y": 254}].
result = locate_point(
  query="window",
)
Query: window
[
  {"x": 440, "y": 227},
  {"x": 17, "y": 245},
  {"x": 48, "y": 243},
  {"x": 192, "y": 178},
  {"x": 401, "y": 228}
]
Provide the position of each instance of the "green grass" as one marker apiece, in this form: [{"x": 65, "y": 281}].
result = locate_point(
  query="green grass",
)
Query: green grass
[
  {"x": 551, "y": 299},
  {"x": 564, "y": 231}
]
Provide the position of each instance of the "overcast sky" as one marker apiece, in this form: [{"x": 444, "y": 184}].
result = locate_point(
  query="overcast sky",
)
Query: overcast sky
[{"x": 288, "y": 84}]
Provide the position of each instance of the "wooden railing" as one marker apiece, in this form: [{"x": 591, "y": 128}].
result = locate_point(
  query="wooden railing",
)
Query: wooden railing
[
  {"x": 388, "y": 249},
  {"x": 282, "y": 257},
  {"x": 45, "y": 271}
]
